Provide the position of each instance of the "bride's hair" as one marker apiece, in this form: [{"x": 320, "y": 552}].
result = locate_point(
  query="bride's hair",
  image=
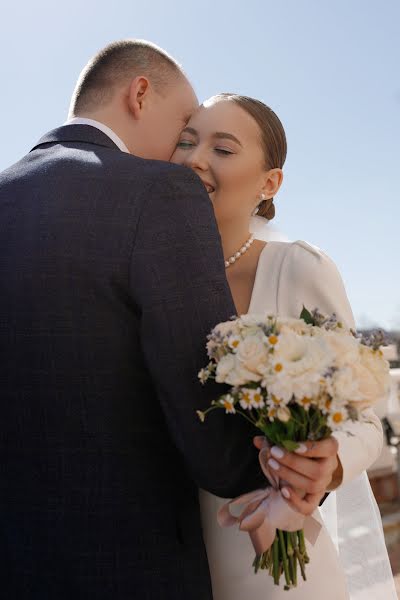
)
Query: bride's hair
[{"x": 273, "y": 138}]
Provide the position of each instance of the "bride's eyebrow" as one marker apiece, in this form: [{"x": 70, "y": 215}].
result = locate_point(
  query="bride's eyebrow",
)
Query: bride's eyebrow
[
  {"x": 229, "y": 136},
  {"x": 218, "y": 135},
  {"x": 191, "y": 131}
]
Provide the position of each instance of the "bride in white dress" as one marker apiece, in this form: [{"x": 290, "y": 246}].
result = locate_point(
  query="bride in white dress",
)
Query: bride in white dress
[{"x": 237, "y": 146}]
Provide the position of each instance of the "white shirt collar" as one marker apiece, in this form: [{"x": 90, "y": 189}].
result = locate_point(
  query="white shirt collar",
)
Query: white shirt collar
[{"x": 109, "y": 132}]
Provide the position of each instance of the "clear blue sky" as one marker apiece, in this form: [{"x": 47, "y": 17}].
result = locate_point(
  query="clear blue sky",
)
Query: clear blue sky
[{"x": 330, "y": 69}]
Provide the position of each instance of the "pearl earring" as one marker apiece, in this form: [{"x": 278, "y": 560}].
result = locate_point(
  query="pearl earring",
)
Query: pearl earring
[{"x": 262, "y": 198}]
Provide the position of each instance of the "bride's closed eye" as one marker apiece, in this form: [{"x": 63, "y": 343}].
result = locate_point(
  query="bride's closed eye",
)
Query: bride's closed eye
[
  {"x": 223, "y": 151},
  {"x": 187, "y": 144}
]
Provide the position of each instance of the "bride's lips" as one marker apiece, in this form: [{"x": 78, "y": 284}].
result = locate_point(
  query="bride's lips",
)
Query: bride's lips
[{"x": 210, "y": 188}]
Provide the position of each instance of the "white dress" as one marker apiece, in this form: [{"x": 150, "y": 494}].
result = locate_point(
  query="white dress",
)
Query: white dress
[{"x": 288, "y": 276}]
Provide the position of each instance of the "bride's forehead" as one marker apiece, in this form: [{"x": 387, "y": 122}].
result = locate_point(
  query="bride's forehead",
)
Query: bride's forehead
[
  {"x": 216, "y": 110},
  {"x": 222, "y": 115}
]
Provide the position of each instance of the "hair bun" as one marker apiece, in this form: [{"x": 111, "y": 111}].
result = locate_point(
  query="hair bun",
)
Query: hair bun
[{"x": 266, "y": 209}]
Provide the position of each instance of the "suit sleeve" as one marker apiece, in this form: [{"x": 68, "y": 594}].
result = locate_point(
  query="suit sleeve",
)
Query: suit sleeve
[
  {"x": 178, "y": 283},
  {"x": 319, "y": 285}
]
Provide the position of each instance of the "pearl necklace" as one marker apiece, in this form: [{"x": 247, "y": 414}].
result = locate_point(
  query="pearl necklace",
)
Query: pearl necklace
[{"x": 232, "y": 259}]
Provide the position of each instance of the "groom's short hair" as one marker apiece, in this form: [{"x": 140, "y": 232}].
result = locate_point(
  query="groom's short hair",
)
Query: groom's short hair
[{"x": 118, "y": 62}]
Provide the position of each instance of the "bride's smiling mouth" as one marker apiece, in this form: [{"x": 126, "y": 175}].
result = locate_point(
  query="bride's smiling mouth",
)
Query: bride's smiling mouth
[{"x": 210, "y": 188}]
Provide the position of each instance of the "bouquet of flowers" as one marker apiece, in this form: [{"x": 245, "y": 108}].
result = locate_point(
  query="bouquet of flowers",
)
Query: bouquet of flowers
[{"x": 295, "y": 380}]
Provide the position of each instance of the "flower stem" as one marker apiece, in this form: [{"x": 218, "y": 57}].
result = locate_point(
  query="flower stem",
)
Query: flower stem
[
  {"x": 252, "y": 421},
  {"x": 301, "y": 563},
  {"x": 290, "y": 553},
  {"x": 302, "y": 545},
  {"x": 282, "y": 540},
  {"x": 275, "y": 560}
]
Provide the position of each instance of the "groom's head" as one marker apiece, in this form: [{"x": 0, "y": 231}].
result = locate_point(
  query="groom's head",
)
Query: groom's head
[{"x": 139, "y": 91}]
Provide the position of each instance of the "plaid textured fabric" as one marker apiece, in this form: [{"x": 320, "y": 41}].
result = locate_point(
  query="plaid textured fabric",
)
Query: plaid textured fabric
[{"x": 111, "y": 276}]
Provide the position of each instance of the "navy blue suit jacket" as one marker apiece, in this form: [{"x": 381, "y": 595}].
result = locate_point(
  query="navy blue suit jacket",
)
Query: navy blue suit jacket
[{"x": 111, "y": 276}]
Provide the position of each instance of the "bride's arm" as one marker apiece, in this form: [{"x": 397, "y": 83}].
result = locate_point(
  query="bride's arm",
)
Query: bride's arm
[{"x": 318, "y": 284}]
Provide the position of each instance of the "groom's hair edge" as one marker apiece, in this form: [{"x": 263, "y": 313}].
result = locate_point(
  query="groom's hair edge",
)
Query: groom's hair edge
[{"x": 118, "y": 62}]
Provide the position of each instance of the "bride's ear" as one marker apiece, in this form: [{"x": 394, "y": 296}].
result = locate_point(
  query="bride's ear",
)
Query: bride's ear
[
  {"x": 137, "y": 95},
  {"x": 272, "y": 182}
]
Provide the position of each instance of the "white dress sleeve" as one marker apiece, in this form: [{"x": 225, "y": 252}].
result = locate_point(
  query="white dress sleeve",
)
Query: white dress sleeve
[
  {"x": 351, "y": 515},
  {"x": 310, "y": 278}
]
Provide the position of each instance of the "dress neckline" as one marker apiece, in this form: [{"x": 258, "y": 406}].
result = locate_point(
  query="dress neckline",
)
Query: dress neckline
[{"x": 257, "y": 277}]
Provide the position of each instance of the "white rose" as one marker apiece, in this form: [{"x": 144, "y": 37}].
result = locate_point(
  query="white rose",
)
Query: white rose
[
  {"x": 299, "y": 363},
  {"x": 296, "y": 325},
  {"x": 225, "y": 366},
  {"x": 307, "y": 385},
  {"x": 344, "y": 385},
  {"x": 345, "y": 347},
  {"x": 280, "y": 387},
  {"x": 284, "y": 387},
  {"x": 241, "y": 376},
  {"x": 253, "y": 354},
  {"x": 302, "y": 354},
  {"x": 250, "y": 320},
  {"x": 231, "y": 371},
  {"x": 373, "y": 378}
]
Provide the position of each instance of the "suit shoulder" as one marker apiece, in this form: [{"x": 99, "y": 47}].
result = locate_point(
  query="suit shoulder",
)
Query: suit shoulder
[{"x": 158, "y": 170}]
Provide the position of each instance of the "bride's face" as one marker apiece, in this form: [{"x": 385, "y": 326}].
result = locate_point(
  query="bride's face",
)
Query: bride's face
[{"x": 222, "y": 144}]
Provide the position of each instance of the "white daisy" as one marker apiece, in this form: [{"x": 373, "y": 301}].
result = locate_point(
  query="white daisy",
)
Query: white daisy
[
  {"x": 228, "y": 402},
  {"x": 204, "y": 374},
  {"x": 246, "y": 399},
  {"x": 257, "y": 398},
  {"x": 234, "y": 342},
  {"x": 338, "y": 415}
]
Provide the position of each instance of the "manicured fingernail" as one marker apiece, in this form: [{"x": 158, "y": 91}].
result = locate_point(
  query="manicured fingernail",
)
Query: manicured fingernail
[
  {"x": 301, "y": 449},
  {"x": 273, "y": 464},
  {"x": 277, "y": 452},
  {"x": 285, "y": 493}
]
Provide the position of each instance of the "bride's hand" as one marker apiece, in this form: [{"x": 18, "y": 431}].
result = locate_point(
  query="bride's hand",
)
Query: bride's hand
[{"x": 310, "y": 471}]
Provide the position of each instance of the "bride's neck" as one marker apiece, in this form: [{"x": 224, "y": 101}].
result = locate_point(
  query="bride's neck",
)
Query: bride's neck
[{"x": 233, "y": 236}]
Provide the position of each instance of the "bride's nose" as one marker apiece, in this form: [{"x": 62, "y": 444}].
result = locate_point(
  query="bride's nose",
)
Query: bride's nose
[{"x": 197, "y": 159}]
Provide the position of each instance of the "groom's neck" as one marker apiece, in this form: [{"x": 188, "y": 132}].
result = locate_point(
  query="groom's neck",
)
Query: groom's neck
[{"x": 108, "y": 117}]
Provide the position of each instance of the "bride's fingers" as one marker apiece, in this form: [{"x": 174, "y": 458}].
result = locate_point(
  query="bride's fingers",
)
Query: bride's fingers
[
  {"x": 295, "y": 480},
  {"x": 320, "y": 470},
  {"x": 321, "y": 449},
  {"x": 316, "y": 469},
  {"x": 306, "y": 506},
  {"x": 260, "y": 442}
]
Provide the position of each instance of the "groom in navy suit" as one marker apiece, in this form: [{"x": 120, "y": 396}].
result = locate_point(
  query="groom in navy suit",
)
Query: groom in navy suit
[{"x": 112, "y": 275}]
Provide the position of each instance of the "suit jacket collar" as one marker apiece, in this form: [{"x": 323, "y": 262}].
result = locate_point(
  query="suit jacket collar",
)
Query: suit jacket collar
[{"x": 77, "y": 133}]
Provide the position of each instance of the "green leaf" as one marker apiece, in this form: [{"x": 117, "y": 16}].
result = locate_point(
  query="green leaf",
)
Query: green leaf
[
  {"x": 306, "y": 316},
  {"x": 290, "y": 445}
]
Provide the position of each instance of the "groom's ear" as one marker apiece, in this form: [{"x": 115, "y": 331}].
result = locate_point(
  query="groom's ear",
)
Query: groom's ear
[{"x": 137, "y": 95}]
